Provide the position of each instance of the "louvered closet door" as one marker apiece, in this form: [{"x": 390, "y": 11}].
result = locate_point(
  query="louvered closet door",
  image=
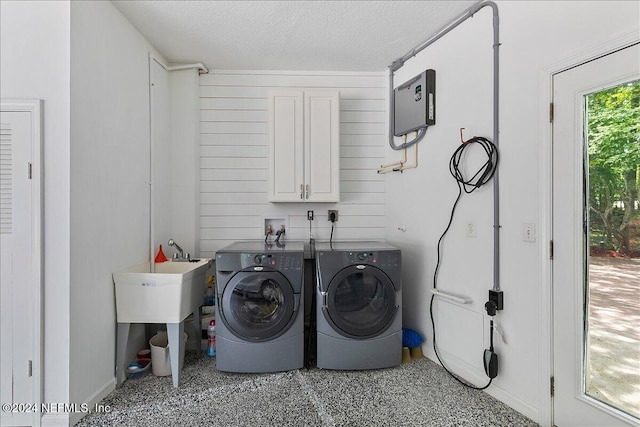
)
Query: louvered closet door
[{"x": 16, "y": 280}]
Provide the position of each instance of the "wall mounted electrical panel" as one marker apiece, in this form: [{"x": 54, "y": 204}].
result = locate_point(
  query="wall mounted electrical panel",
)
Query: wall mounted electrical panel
[{"x": 415, "y": 103}]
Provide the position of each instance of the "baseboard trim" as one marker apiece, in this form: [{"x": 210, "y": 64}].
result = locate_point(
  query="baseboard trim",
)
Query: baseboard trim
[
  {"x": 55, "y": 420},
  {"x": 93, "y": 400}
]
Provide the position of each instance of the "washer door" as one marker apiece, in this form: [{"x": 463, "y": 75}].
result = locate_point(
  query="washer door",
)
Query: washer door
[
  {"x": 360, "y": 301},
  {"x": 258, "y": 305}
]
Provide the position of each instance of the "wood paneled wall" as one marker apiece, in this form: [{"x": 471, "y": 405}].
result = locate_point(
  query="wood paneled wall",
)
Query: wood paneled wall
[{"x": 234, "y": 158}]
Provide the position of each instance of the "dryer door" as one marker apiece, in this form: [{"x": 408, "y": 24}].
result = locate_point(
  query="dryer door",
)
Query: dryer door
[
  {"x": 258, "y": 305},
  {"x": 360, "y": 301}
]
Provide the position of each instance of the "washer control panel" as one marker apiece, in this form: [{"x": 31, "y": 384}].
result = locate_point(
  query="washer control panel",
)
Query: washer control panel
[{"x": 281, "y": 262}]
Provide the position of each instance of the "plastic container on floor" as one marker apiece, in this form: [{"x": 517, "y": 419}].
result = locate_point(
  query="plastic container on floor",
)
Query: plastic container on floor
[{"x": 160, "y": 359}]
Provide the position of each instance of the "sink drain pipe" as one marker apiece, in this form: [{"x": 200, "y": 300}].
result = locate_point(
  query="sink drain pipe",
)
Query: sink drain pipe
[{"x": 398, "y": 63}]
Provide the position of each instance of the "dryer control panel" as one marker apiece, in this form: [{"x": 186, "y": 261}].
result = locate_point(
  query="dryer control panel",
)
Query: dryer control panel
[
  {"x": 382, "y": 259},
  {"x": 281, "y": 262}
]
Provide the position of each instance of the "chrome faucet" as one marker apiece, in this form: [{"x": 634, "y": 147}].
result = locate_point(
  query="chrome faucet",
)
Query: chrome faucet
[{"x": 180, "y": 256}]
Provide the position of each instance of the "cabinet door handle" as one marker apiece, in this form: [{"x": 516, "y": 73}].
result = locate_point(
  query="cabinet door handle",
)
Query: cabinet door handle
[
  {"x": 302, "y": 191},
  {"x": 307, "y": 191}
]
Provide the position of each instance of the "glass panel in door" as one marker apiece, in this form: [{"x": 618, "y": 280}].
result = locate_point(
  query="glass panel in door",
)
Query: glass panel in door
[{"x": 612, "y": 282}]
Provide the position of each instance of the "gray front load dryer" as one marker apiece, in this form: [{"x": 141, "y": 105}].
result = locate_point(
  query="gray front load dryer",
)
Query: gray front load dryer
[
  {"x": 259, "y": 309},
  {"x": 359, "y": 305}
]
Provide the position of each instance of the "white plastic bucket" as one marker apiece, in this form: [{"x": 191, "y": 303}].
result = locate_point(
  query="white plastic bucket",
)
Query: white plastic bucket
[{"x": 160, "y": 359}]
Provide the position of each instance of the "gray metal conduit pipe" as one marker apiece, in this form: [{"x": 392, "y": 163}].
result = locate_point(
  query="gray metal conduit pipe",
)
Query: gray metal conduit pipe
[{"x": 395, "y": 65}]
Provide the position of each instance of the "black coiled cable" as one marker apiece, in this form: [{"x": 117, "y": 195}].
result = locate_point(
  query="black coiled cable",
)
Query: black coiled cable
[
  {"x": 486, "y": 171},
  {"x": 469, "y": 185}
]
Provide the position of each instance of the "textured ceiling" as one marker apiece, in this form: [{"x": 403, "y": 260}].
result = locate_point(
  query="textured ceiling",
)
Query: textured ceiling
[{"x": 289, "y": 35}]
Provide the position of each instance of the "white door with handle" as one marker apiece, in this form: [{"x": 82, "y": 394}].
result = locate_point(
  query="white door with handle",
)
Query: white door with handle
[{"x": 574, "y": 402}]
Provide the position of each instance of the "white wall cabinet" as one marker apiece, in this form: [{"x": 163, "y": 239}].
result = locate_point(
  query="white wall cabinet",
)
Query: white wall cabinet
[{"x": 304, "y": 146}]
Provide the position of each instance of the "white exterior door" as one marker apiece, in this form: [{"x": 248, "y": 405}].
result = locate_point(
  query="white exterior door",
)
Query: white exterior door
[
  {"x": 20, "y": 262},
  {"x": 572, "y": 404}
]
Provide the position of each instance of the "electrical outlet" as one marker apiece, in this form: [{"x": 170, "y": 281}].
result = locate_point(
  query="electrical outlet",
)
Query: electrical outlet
[
  {"x": 470, "y": 229},
  {"x": 310, "y": 215},
  {"x": 528, "y": 232},
  {"x": 329, "y": 212}
]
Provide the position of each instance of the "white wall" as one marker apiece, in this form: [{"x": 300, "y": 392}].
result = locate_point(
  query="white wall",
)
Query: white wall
[
  {"x": 110, "y": 173},
  {"x": 34, "y": 63},
  {"x": 161, "y": 155},
  {"x": 534, "y": 35},
  {"x": 234, "y": 158},
  {"x": 185, "y": 160}
]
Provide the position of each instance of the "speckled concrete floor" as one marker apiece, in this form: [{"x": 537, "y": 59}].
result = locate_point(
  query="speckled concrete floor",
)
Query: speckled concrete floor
[{"x": 415, "y": 394}]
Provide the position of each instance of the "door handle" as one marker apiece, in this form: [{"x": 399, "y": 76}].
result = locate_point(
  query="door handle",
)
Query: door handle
[
  {"x": 301, "y": 191},
  {"x": 307, "y": 191}
]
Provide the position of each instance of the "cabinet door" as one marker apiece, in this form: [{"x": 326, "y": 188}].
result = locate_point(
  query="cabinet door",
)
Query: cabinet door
[
  {"x": 286, "y": 148},
  {"x": 322, "y": 146}
]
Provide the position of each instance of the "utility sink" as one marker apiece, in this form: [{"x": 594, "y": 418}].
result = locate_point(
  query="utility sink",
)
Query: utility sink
[
  {"x": 167, "y": 295},
  {"x": 165, "y": 292}
]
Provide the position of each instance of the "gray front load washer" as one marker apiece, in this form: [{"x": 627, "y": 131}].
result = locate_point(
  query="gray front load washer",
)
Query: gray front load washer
[
  {"x": 259, "y": 308},
  {"x": 359, "y": 305}
]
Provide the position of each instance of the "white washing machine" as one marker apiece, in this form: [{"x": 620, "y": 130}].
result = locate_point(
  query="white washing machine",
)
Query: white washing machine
[
  {"x": 260, "y": 307},
  {"x": 359, "y": 305}
]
